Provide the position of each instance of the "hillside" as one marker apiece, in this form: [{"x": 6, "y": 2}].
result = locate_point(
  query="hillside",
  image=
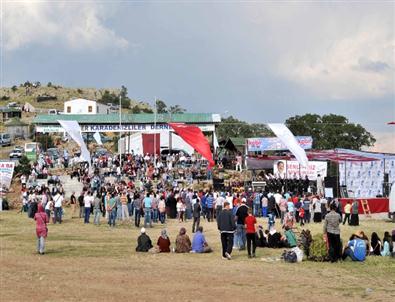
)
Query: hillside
[{"x": 21, "y": 95}]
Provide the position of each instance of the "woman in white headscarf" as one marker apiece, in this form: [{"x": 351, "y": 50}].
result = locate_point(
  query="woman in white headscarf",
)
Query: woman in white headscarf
[{"x": 163, "y": 242}]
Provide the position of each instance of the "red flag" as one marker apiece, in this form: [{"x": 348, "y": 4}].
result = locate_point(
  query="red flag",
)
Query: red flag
[{"x": 195, "y": 137}]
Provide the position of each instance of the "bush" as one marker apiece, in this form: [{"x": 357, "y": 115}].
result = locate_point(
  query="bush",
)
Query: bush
[
  {"x": 14, "y": 88},
  {"x": 318, "y": 250}
]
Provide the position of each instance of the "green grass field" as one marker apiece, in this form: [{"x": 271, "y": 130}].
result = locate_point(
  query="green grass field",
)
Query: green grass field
[{"x": 96, "y": 263}]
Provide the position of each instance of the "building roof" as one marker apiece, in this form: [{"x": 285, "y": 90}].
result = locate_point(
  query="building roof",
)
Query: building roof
[
  {"x": 79, "y": 100},
  {"x": 140, "y": 118},
  {"x": 10, "y": 109},
  {"x": 15, "y": 122}
]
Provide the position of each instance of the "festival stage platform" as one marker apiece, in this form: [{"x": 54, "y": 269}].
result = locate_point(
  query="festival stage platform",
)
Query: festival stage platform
[{"x": 376, "y": 205}]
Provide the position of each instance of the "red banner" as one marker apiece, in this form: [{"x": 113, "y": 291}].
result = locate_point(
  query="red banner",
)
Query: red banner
[
  {"x": 195, "y": 137},
  {"x": 149, "y": 143},
  {"x": 376, "y": 205}
]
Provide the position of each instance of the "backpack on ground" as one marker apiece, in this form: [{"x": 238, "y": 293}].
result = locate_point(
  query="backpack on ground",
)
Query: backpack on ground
[{"x": 290, "y": 256}]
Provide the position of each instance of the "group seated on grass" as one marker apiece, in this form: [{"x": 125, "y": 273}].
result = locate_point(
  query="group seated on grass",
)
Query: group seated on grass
[
  {"x": 183, "y": 243},
  {"x": 314, "y": 247}
]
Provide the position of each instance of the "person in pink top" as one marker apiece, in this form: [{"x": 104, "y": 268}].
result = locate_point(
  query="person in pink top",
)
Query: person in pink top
[{"x": 41, "y": 228}]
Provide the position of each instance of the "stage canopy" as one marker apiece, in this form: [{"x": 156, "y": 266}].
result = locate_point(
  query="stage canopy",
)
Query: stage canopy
[{"x": 335, "y": 155}]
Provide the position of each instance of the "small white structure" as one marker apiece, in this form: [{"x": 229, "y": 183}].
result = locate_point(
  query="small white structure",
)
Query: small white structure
[{"x": 83, "y": 106}]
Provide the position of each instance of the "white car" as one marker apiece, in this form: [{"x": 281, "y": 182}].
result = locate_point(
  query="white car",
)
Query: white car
[{"x": 17, "y": 153}]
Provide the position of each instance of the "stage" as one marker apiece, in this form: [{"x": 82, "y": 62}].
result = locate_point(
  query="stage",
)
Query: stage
[{"x": 376, "y": 205}]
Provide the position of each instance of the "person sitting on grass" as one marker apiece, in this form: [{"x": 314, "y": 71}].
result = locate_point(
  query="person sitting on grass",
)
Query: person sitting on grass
[
  {"x": 387, "y": 245},
  {"x": 289, "y": 220},
  {"x": 261, "y": 239},
  {"x": 376, "y": 245},
  {"x": 290, "y": 238},
  {"x": 163, "y": 242},
  {"x": 274, "y": 239},
  {"x": 355, "y": 249},
  {"x": 144, "y": 243},
  {"x": 199, "y": 243},
  {"x": 183, "y": 243}
]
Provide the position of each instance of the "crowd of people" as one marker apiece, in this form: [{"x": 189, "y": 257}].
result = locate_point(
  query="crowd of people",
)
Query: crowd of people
[{"x": 148, "y": 190}]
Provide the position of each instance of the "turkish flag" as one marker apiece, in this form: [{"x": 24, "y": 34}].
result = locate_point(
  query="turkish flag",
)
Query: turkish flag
[{"x": 195, "y": 137}]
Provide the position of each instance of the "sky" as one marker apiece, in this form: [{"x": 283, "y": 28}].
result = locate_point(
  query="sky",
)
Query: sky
[{"x": 260, "y": 61}]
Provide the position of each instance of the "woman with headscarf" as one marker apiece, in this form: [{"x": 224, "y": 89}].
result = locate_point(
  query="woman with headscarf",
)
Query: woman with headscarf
[
  {"x": 41, "y": 228},
  {"x": 183, "y": 243},
  {"x": 375, "y": 243},
  {"x": 163, "y": 242}
]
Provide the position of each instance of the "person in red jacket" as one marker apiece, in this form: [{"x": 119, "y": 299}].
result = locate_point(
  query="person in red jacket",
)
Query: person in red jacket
[
  {"x": 250, "y": 223},
  {"x": 301, "y": 216},
  {"x": 41, "y": 228}
]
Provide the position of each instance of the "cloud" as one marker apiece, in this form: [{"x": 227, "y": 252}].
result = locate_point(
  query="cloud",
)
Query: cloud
[
  {"x": 332, "y": 50},
  {"x": 385, "y": 142},
  {"x": 76, "y": 26}
]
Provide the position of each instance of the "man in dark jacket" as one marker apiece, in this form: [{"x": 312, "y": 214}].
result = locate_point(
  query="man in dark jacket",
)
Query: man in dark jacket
[
  {"x": 227, "y": 227},
  {"x": 144, "y": 243},
  {"x": 241, "y": 214}
]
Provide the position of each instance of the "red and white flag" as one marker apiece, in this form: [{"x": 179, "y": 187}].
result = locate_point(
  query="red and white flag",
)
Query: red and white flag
[{"x": 195, "y": 138}]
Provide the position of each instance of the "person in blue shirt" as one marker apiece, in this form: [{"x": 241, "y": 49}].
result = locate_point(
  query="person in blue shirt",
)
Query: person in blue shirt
[
  {"x": 356, "y": 249},
  {"x": 199, "y": 243},
  {"x": 210, "y": 207},
  {"x": 147, "y": 202}
]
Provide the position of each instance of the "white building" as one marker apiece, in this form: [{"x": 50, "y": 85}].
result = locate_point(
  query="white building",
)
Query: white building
[{"x": 83, "y": 106}]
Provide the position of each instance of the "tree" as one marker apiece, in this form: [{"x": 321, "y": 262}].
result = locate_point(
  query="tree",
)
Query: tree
[
  {"x": 14, "y": 88},
  {"x": 331, "y": 131},
  {"x": 147, "y": 110},
  {"x": 161, "y": 106},
  {"x": 46, "y": 141},
  {"x": 232, "y": 127},
  {"x": 23, "y": 167},
  {"x": 125, "y": 101},
  {"x": 176, "y": 109},
  {"x": 112, "y": 98},
  {"x": 136, "y": 109},
  {"x": 124, "y": 92}
]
